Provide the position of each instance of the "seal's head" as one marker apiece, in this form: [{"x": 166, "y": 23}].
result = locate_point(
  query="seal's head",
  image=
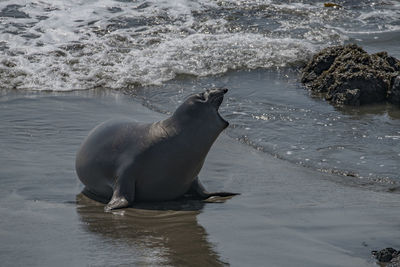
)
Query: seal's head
[{"x": 204, "y": 107}]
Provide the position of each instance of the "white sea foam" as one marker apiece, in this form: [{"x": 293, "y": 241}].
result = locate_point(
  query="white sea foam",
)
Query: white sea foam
[{"x": 58, "y": 45}]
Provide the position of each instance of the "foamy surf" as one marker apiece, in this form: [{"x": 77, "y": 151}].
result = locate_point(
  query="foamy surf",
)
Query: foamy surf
[{"x": 78, "y": 45}]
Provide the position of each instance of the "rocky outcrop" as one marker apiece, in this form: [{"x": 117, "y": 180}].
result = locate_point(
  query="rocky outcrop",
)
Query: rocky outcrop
[
  {"x": 348, "y": 75},
  {"x": 388, "y": 257},
  {"x": 394, "y": 93}
]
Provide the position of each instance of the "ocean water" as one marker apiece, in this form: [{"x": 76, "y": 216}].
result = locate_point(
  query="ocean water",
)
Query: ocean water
[
  {"x": 65, "y": 66},
  {"x": 161, "y": 51}
]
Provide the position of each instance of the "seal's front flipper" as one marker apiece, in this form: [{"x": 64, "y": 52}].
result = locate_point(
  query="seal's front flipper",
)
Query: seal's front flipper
[
  {"x": 116, "y": 202},
  {"x": 124, "y": 193},
  {"x": 198, "y": 190}
]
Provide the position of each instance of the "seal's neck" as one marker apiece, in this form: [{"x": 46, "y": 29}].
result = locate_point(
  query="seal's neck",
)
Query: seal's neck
[
  {"x": 193, "y": 135},
  {"x": 175, "y": 125}
]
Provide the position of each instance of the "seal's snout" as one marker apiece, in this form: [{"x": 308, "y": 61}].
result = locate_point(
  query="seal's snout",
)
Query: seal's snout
[
  {"x": 216, "y": 96},
  {"x": 216, "y": 92},
  {"x": 219, "y": 91}
]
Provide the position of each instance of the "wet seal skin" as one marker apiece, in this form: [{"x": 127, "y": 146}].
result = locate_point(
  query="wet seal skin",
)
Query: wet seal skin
[{"x": 122, "y": 161}]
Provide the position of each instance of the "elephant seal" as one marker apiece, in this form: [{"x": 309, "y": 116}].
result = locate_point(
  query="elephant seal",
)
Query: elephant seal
[{"x": 122, "y": 161}]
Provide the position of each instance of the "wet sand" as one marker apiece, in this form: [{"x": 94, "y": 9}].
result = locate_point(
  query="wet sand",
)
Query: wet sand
[{"x": 286, "y": 215}]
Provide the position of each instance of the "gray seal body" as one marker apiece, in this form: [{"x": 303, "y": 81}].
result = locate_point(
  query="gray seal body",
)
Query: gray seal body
[{"x": 122, "y": 161}]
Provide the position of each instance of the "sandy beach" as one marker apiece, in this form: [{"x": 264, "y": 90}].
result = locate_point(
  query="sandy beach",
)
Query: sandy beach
[{"x": 285, "y": 215}]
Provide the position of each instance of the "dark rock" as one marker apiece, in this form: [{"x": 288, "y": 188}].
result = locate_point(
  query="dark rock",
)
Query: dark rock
[
  {"x": 394, "y": 92},
  {"x": 350, "y": 76},
  {"x": 321, "y": 62},
  {"x": 386, "y": 255},
  {"x": 395, "y": 262}
]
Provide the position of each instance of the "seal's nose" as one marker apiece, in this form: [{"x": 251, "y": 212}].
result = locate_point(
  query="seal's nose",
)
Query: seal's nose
[
  {"x": 221, "y": 90},
  {"x": 216, "y": 92}
]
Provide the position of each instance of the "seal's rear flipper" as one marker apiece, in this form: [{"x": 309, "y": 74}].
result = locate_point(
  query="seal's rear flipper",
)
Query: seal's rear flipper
[
  {"x": 198, "y": 190},
  {"x": 221, "y": 194}
]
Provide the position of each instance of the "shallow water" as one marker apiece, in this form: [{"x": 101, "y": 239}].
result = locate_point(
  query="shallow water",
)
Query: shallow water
[
  {"x": 279, "y": 117},
  {"x": 285, "y": 213}
]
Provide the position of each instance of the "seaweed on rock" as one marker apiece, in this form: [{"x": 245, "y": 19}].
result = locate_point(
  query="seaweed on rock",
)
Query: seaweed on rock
[{"x": 348, "y": 75}]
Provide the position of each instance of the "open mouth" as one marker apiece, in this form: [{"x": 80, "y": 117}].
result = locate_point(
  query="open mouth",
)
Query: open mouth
[{"x": 215, "y": 97}]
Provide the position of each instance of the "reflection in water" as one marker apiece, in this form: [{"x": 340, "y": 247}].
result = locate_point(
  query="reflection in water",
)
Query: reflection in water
[{"x": 156, "y": 234}]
